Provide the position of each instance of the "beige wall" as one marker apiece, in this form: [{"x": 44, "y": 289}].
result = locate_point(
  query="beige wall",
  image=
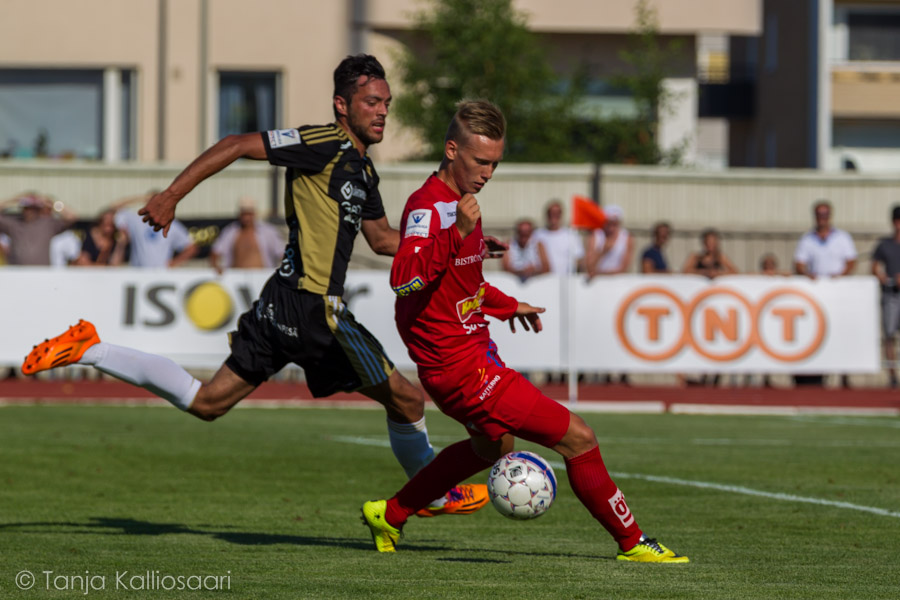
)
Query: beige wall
[
  {"x": 72, "y": 36},
  {"x": 867, "y": 94},
  {"x": 182, "y": 81},
  {"x": 35, "y": 32},
  {"x": 303, "y": 40},
  {"x": 738, "y": 17},
  {"x": 267, "y": 35}
]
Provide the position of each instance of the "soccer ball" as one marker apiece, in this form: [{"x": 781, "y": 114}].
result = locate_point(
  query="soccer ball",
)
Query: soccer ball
[{"x": 522, "y": 485}]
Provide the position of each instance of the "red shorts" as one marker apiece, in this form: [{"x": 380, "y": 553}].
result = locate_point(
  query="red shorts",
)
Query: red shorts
[{"x": 490, "y": 399}]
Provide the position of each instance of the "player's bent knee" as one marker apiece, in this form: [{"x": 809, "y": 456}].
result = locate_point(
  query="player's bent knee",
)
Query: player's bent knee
[
  {"x": 205, "y": 412},
  {"x": 408, "y": 400},
  {"x": 491, "y": 450},
  {"x": 578, "y": 439},
  {"x": 205, "y": 409}
]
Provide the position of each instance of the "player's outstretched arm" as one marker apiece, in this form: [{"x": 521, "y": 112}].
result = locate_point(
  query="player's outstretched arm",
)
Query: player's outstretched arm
[
  {"x": 159, "y": 212},
  {"x": 528, "y": 317},
  {"x": 381, "y": 237}
]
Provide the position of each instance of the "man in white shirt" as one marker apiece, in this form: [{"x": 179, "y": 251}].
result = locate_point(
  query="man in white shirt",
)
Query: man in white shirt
[
  {"x": 825, "y": 251},
  {"x": 562, "y": 245},
  {"x": 65, "y": 248},
  {"x": 525, "y": 257},
  {"x": 149, "y": 248}
]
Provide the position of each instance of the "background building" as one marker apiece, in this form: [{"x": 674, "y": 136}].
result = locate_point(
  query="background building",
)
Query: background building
[
  {"x": 160, "y": 80},
  {"x": 820, "y": 88}
]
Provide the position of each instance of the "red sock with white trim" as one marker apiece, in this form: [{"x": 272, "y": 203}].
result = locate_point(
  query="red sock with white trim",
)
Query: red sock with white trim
[
  {"x": 598, "y": 492},
  {"x": 452, "y": 465}
]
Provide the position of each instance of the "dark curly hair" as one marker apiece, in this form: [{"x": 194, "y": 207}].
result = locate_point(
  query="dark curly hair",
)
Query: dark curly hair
[{"x": 347, "y": 74}]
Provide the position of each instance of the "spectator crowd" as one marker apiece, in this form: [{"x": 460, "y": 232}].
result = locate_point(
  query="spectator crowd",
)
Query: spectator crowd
[
  {"x": 37, "y": 230},
  {"x": 823, "y": 251}
]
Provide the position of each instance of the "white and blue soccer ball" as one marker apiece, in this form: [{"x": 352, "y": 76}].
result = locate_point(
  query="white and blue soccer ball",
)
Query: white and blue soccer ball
[{"x": 522, "y": 485}]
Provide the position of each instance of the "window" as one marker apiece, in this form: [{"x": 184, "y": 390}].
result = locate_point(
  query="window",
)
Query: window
[
  {"x": 60, "y": 113},
  {"x": 864, "y": 133},
  {"x": 874, "y": 36},
  {"x": 247, "y": 102}
]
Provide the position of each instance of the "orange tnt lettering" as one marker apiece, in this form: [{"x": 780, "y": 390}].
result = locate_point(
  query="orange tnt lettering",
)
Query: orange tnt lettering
[
  {"x": 788, "y": 318},
  {"x": 713, "y": 321},
  {"x": 653, "y": 316}
]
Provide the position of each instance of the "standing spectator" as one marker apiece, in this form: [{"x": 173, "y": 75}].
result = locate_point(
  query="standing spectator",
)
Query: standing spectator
[
  {"x": 4, "y": 248},
  {"x": 768, "y": 265},
  {"x": 29, "y": 237},
  {"x": 247, "y": 243},
  {"x": 564, "y": 250},
  {"x": 562, "y": 245},
  {"x": 825, "y": 251},
  {"x": 525, "y": 257},
  {"x": 65, "y": 248},
  {"x": 886, "y": 267},
  {"x": 150, "y": 248},
  {"x": 103, "y": 244},
  {"x": 652, "y": 259},
  {"x": 611, "y": 248},
  {"x": 609, "y": 252},
  {"x": 710, "y": 261}
]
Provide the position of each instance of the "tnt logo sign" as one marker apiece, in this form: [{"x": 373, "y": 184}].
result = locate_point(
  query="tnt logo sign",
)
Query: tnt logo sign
[{"x": 720, "y": 324}]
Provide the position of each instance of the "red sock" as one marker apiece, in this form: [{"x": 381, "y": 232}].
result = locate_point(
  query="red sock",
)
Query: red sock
[
  {"x": 598, "y": 492},
  {"x": 454, "y": 464}
]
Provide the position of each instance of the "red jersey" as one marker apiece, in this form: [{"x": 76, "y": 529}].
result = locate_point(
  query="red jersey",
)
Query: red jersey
[{"x": 437, "y": 275}]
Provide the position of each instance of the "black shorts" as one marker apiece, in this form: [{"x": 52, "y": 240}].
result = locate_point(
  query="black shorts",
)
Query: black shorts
[{"x": 318, "y": 333}]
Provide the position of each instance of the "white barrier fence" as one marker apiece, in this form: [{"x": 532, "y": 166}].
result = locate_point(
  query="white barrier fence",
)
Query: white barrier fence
[{"x": 626, "y": 323}]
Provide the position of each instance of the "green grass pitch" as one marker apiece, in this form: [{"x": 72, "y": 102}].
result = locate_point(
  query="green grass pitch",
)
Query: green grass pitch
[{"x": 265, "y": 504}]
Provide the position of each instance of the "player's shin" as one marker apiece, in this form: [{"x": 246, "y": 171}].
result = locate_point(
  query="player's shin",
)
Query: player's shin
[
  {"x": 154, "y": 373},
  {"x": 410, "y": 444},
  {"x": 598, "y": 492},
  {"x": 452, "y": 465}
]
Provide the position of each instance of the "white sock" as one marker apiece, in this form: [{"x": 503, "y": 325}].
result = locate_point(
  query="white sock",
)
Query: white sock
[
  {"x": 154, "y": 373},
  {"x": 410, "y": 444}
]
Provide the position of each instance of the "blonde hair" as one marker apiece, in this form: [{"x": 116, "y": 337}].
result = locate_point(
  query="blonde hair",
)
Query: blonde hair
[{"x": 476, "y": 117}]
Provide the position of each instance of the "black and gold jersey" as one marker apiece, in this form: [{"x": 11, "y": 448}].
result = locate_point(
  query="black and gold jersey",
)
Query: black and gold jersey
[{"x": 329, "y": 190}]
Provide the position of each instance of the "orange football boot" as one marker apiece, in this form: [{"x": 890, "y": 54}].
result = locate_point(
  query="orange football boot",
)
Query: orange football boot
[
  {"x": 464, "y": 499},
  {"x": 62, "y": 350}
]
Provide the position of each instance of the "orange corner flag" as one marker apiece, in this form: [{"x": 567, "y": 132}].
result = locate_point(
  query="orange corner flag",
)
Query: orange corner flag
[{"x": 586, "y": 214}]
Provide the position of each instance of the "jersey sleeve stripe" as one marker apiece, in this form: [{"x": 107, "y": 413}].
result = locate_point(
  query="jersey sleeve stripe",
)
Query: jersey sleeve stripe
[
  {"x": 315, "y": 142},
  {"x": 319, "y": 130}
]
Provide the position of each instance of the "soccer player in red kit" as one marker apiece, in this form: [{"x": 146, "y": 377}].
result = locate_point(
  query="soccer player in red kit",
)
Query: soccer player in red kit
[{"x": 442, "y": 303}]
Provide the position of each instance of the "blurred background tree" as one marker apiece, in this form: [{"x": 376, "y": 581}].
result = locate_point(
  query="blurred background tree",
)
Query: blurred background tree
[{"x": 484, "y": 49}]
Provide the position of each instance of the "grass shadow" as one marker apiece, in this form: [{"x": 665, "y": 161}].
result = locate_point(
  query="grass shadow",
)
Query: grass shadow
[{"x": 134, "y": 527}]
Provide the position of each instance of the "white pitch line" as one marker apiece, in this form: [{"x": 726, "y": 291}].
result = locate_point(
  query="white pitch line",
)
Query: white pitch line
[
  {"x": 760, "y": 442},
  {"x": 737, "y": 489},
  {"x": 824, "y": 420},
  {"x": 734, "y": 489},
  {"x": 361, "y": 441}
]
